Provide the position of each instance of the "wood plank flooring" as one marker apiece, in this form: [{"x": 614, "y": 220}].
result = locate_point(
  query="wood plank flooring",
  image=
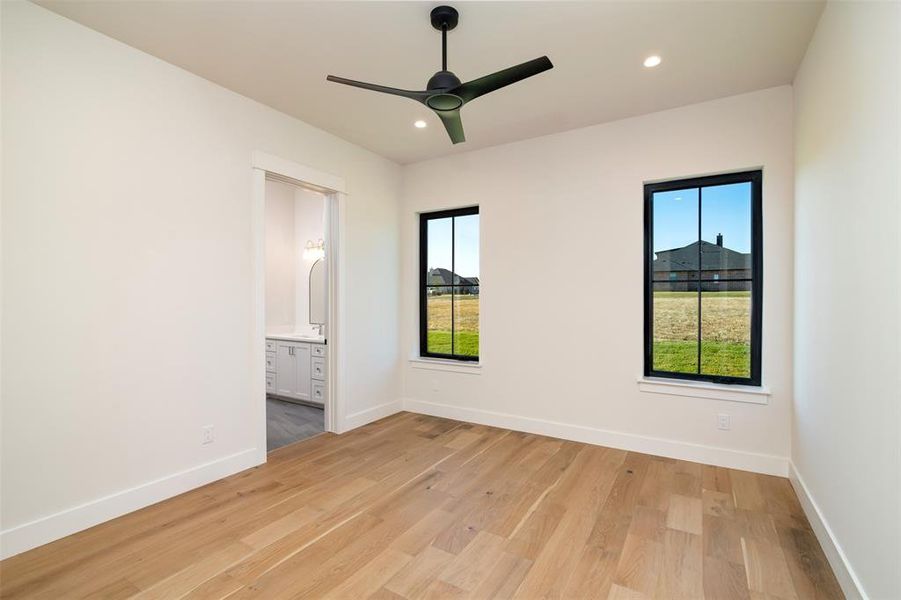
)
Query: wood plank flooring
[{"x": 420, "y": 507}]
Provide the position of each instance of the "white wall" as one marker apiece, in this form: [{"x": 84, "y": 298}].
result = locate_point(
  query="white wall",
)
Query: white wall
[
  {"x": 281, "y": 258},
  {"x": 127, "y": 275},
  {"x": 847, "y": 426},
  {"x": 567, "y": 210}
]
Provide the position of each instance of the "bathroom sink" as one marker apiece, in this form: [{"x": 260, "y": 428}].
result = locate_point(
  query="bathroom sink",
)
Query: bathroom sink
[{"x": 298, "y": 337}]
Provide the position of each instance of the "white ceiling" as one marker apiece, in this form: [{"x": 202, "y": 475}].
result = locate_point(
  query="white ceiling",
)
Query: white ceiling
[{"x": 280, "y": 52}]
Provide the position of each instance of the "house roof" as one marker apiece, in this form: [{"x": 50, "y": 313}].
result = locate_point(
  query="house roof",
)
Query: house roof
[
  {"x": 441, "y": 276},
  {"x": 713, "y": 258}
]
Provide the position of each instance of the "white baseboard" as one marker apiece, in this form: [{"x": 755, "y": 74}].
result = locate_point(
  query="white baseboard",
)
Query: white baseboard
[
  {"x": 358, "y": 419},
  {"x": 78, "y": 518},
  {"x": 846, "y": 576},
  {"x": 721, "y": 457}
]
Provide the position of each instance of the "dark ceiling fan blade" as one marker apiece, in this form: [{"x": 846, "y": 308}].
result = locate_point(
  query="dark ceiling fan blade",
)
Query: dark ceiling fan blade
[
  {"x": 413, "y": 95},
  {"x": 453, "y": 124},
  {"x": 483, "y": 85}
]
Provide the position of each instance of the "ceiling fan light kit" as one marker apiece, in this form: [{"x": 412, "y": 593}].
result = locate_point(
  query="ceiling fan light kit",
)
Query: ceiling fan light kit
[{"x": 445, "y": 94}]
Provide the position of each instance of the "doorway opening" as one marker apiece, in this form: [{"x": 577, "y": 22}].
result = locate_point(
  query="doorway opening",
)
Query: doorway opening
[
  {"x": 299, "y": 341},
  {"x": 296, "y": 311}
]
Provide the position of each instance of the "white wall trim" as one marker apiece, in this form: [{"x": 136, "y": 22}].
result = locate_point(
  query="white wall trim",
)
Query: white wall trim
[
  {"x": 336, "y": 219},
  {"x": 710, "y": 391},
  {"x": 710, "y": 455},
  {"x": 309, "y": 175},
  {"x": 78, "y": 518},
  {"x": 847, "y": 578},
  {"x": 358, "y": 419},
  {"x": 258, "y": 332},
  {"x": 452, "y": 366}
]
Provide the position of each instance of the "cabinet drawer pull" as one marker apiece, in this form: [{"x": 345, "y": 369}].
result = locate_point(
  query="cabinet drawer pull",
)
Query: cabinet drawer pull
[
  {"x": 319, "y": 392},
  {"x": 318, "y": 368}
]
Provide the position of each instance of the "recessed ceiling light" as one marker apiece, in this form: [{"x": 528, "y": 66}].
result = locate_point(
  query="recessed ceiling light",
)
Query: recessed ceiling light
[
  {"x": 420, "y": 124},
  {"x": 652, "y": 61}
]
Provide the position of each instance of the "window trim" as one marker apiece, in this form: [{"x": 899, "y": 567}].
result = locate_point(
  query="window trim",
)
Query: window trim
[
  {"x": 755, "y": 178},
  {"x": 424, "y": 219}
]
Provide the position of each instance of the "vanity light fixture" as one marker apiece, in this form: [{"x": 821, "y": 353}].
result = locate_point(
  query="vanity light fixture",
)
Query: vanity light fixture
[{"x": 314, "y": 250}]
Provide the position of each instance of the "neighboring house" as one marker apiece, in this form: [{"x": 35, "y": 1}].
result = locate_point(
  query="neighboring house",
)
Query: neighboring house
[
  {"x": 679, "y": 268},
  {"x": 443, "y": 277}
]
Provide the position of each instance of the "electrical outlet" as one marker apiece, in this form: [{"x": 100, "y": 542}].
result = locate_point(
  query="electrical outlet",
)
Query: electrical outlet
[
  {"x": 435, "y": 385},
  {"x": 724, "y": 422},
  {"x": 206, "y": 434}
]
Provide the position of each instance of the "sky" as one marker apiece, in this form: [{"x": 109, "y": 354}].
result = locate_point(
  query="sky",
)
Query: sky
[
  {"x": 725, "y": 209},
  {"x": 466, "y": 231}
]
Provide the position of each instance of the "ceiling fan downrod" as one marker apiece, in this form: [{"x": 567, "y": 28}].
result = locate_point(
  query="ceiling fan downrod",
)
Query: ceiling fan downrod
[{"x": 444, "y": 19}]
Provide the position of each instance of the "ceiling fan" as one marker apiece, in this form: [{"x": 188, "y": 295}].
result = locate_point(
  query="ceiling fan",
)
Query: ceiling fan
[{"x": 444, "y": 92}]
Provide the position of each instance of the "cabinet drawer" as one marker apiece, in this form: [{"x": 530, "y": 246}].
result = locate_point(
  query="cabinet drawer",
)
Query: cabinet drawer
[
  {"x": 270, "y": 362},
  {"x": 270, "y": 345},
  {"x": 318, "y": 349},
  {"x": 318, "y": 392},
  {"x": 318, "y": 369},
  {"x": 270, "y": 383}
]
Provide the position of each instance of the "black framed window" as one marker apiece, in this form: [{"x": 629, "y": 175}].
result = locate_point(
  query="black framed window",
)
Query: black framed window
[
  {"x": 449, "y": 284},
  {"x": 703, "y": 278}
]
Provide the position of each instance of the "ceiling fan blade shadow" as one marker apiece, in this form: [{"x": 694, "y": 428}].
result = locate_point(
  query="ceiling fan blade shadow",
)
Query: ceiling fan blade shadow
[
  {"x": 413, "y": 95},
  {"x": 453, "y": 124},
  {"x": 489, "y": 83}
]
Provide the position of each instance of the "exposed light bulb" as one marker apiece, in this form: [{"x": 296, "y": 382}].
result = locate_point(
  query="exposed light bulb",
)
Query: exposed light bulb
[{"x": 314, "y": 250}]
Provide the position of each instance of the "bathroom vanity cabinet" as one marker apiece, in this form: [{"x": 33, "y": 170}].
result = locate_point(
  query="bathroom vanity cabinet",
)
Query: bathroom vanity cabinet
[{"x": 296, "y": 370}]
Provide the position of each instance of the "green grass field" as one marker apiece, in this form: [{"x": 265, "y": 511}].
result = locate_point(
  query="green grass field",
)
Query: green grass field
[
  {"x": 466, "y": 325},
  {"x": 466, "y": 344},
  {"x": 725, "y": 323},
  {"x": 729, "y": 294},
  {"x": 725, "y": 333},
  {"x": 717, "y": 358}
]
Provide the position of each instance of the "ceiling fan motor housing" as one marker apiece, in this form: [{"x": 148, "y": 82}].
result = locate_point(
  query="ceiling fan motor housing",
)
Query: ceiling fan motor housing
[{"x": 443, "y": 80}]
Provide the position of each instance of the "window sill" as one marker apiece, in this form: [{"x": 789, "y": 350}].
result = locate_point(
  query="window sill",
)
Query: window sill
[
  {"x": 699, "y": 389},
  {"x": 453, "y": 366}
]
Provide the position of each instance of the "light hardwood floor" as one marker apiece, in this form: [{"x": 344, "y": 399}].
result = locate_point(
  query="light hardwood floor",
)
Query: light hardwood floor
[{"x": 421, "y": 507}]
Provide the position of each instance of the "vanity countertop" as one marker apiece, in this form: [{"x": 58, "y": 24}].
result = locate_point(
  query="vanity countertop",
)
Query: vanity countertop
[{"x": 311, "y": 338}]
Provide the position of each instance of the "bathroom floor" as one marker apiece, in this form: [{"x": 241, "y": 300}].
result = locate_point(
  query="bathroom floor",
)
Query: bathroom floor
[{"x": 287, "y": 422}]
